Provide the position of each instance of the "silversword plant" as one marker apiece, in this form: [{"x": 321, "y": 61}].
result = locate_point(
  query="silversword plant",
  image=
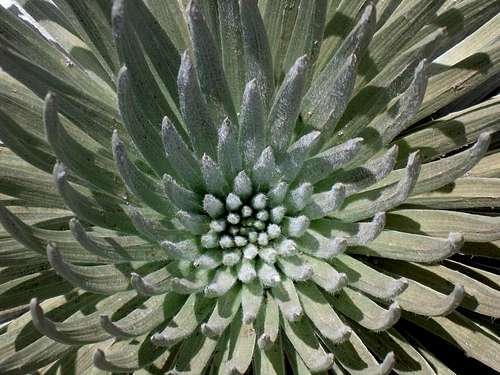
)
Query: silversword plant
[{"x": 243, "y": 187}]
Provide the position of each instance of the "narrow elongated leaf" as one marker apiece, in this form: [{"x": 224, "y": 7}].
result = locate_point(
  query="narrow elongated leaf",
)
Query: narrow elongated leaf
[
  {"x": 96, "y": 210},
  {"x": 264, "y": 169},
  {"x": 301, "y": 335},
  {"x": 383, "y": 128},
  {"x": 285, "y": 109},
  {"x": 150, "y": 56},
  {"x": 145, "y": 318},
  {"x": 222, "y": 283},
  {"x": 438, "y": 137},
  {"x": 439, "y": 223},
  {"x": 143, "y": 132},
  {"x": 325, "y": 276},
  {"x": 320, "y": 166},
  {"x": 201, "y": 129},
  {"x": 367, "y": 175},
  {"x": 367, "y": 280},
  {"x": 443, "y": 86},
  {"x": 364, "y": 311},
  {"x": 297, "y": 154},
  {"x": 354, "y": 233},
  {"x": 127, "y": 356},
  {"x": 258, "y": 59},
  {"x": 21, "y": 116},
  {"x": 183, "y": 198},
  {"x": 113, "y": 248},
  {"x": 90, "y": 22},
  {"x": 412, "y": 247},
  {"x": 180, "y": 157},
  {"x": 394, "y": 80},
  {"x": 252, "y": 133},
  {"x": 171, "y": 18},
  {"x": 296, "y": 363},
  {"x": 364, "y": 205},
  {"x": 322, "y": 315},
  {"x": 393, "y": 37},
  {"x": 194, "y": 354},
  {"x": 223, "y": 314},
  {"x": 408, "y": 359},
  {"x": 209, "y": 67},
  {"x": 441, "y": 172},
  {"x": 286, "y": 296},
  {"x": 232, "y": 47},
  {"x": 460, "y": 331},
  {"x": 325, "y": 203},
  {"x": 422, "y": 300},
  {"x": 36, "y": 62},
  {"x": 323, "y": 111},
  {"x": 315, "y": 244},
  {"x": 215, "y": 181},
  {"x": 487, "y": 167},
  {"x": 342, "y": 38},
  {"x": 153, "y": 284},
  {"x": 242, "y": 344},
  {"x": 139, "y": 183},
  {"x": 93, "y": 169},
  {"x": 307, "y": 32},
  {"x": 267, "y": 324},
  {"x": 37, "y": 354},
  {"x": 480, "y": 287},
  {"x": 464, "y": 192},
  {"x": 20, "y": 290},
  {"x": 270, "y": 362},
  {"x": 228, "y": 151},
  {"x": 76, "y": 330},
  {"x": 185, "y": 322},
  {"x": 107, "y": 279}
]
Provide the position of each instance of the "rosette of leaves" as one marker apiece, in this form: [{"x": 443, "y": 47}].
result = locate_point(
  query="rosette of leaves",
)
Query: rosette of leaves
[{"x": 232, "y": 187}]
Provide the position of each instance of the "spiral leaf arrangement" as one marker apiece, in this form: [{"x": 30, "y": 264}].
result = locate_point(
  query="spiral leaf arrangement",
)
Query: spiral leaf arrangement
[{"x": 240, "y": 187}]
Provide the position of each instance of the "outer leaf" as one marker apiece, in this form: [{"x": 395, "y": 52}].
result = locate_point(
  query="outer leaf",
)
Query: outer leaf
[
  {"x": 107, "y": 279},
  {"x": 364, "y": 311},
  {"x": 209, "y": 67},
  {"x": 201, "y": 129},
  {"x": 258, "y": 59},
  {"x": 411, "y": 247},
  {"x": 307, "y": 345},
  {"x": 232, "y": 47},
  {"x": 462, "y": 193},
  {"x": 150, "y": 56},
  {"x": 439, "y": 223},
  {"x": 465, "y": 334}
]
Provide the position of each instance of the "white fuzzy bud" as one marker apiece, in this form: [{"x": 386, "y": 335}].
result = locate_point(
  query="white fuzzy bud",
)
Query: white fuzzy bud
[
  {"x": 226, "y": 242},
  {"x": 246, "y": 211},
  {"x": 209, "y": 240},
  {"x": 233, "y": 218},
  {"x": 212, "y": 206},
  {"x": 260, "y": 225},
  {"x": 252, "y": 237},
  {"x": 233, "y": 202},
  {"x": 259, "y": 201},
  {"x": 242, "y": 186},
  {"x": 250, "y": 251},
  {"x": 240, "y": 241},
  {"x": 263, "y": 239},
  {"x": 273, "y": 231},
  {"x": 262, "y": 215},
  {"x": 277, "y": 214},
  {"x": 218, "y": 225}
]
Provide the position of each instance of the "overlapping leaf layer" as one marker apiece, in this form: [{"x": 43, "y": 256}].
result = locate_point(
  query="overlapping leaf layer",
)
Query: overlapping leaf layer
[{"x": 233, "y": 186}]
